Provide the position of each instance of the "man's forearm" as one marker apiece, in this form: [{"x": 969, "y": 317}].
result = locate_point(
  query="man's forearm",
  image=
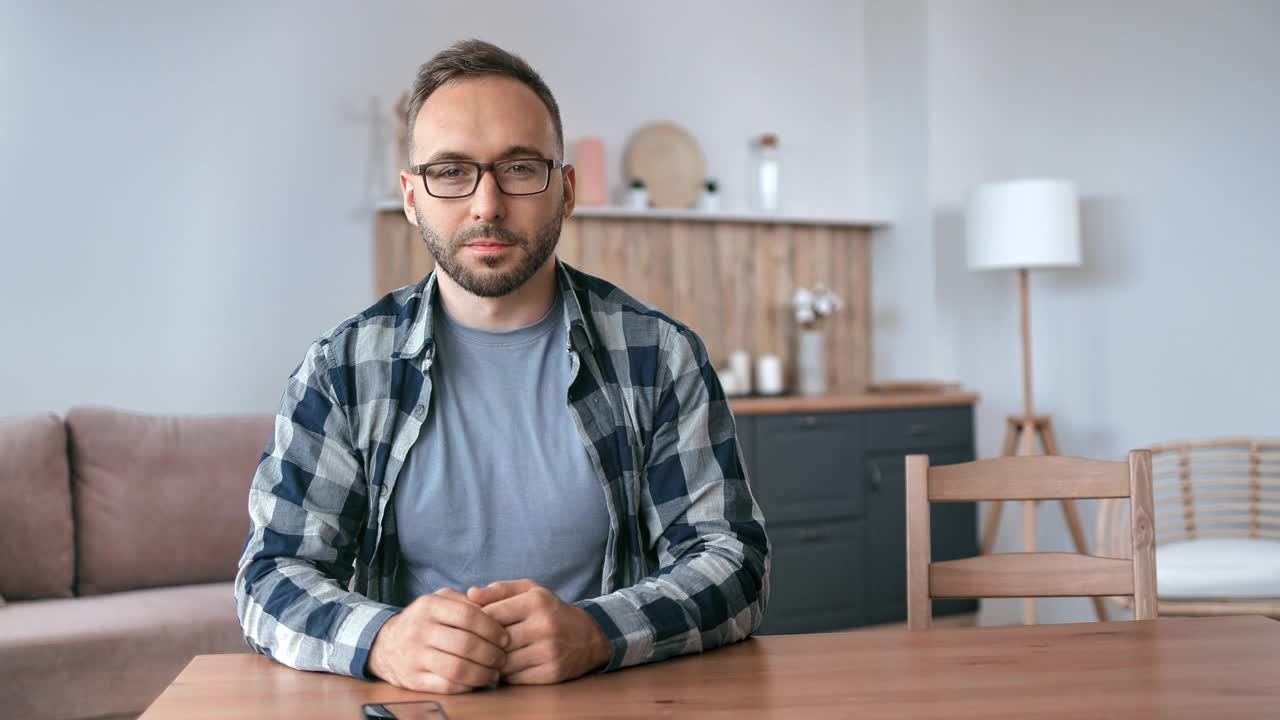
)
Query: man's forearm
[
  {"x": 697, "y": 604},
  {"x": 295, "y": 615}
]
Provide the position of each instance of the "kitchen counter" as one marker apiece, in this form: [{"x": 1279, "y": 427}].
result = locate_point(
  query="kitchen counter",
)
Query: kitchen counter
[{"x": 764, "y": 405}]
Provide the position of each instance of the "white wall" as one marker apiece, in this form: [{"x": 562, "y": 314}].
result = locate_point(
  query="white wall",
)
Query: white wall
[
  {"x": 185, "y": 192},
  {"x": 902, "y": 276},
  {"x": 1166, "y": 114}
]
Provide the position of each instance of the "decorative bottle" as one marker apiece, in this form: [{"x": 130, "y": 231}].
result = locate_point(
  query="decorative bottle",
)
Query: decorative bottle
[{"x": 764, "y": 185}]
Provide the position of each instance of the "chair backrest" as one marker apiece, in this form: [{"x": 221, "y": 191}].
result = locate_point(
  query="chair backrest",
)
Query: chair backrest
[
  {"x": 1039, "y": 574},
  {"x": 1208, "y": 488}
]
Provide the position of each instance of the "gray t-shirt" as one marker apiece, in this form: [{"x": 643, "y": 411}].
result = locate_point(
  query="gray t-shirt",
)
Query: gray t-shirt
[{"x": 498, "y": 485}]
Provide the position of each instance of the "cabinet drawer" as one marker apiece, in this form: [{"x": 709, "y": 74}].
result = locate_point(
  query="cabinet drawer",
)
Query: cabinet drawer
[
  {"x": 918, "y": 429},
  {"x": 817, "y": 578},
  {"x": 809, "y": 466}
]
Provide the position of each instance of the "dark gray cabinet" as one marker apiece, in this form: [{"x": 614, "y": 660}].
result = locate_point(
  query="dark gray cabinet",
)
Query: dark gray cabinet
[
  {"x": 816, "y": 584},
  {"x": 806, "y": 460},
  {"x": 832, "y": 488}
]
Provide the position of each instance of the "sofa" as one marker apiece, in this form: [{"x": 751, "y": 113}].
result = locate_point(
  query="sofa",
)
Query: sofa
[{"x": 119, "y": 538}]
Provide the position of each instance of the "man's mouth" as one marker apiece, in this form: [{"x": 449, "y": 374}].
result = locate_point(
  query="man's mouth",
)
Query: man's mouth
[{"x": 488, "y": 246}]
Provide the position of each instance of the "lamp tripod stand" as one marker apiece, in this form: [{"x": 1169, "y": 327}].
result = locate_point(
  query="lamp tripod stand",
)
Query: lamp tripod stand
[{"x": 1020, "y": 439}]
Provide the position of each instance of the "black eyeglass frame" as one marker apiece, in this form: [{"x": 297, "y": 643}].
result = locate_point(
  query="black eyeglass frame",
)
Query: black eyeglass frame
[{"x": 481, "y": 168}]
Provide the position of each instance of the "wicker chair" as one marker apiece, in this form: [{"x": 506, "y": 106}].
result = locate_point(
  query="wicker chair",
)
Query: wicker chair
[{"x": 1217, "y": 517}]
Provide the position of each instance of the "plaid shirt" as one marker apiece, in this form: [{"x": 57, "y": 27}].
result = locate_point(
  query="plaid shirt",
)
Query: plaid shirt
[{"x": 686, "y": 564}]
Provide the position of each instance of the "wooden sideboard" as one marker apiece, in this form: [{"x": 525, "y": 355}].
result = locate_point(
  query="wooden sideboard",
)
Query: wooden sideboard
[{"x": 728, "y": 276}]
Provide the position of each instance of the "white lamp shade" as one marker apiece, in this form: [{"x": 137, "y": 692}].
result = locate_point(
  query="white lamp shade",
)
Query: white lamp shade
[{"x": 1024, "y": 224}]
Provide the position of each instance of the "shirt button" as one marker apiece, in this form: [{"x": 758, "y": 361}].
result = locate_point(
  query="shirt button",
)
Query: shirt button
[
  {"x": 386, "y": 490},
  {"x": 420, "y": 411}
]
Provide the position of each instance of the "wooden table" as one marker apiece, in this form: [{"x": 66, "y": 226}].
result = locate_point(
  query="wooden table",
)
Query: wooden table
[{"x": 1216, "y": 668}]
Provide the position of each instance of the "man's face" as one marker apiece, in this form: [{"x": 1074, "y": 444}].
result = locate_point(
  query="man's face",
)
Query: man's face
[{"x": 489, "y": 243}]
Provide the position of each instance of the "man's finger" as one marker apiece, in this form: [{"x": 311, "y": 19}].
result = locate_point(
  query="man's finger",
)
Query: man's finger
[
  {"x": 448, "y": 592},
  {"x": 523, "y": 634},
  {"x": 459, "y": 670},
  {"x": 422, "y": 604},
  {"x": 429, "y": 682},
  {"x": 521, "y": 660},
  {"x": 512, "y": 610},
  {"x": 467, "y": 616},
  {"x": 465, "y": 644},
  {"x": 536, "y": 675},
  {"x": 501, "y": 590}
]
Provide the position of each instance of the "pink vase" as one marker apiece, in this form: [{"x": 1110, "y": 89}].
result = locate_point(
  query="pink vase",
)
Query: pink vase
[{"x": 592, "y": 188}]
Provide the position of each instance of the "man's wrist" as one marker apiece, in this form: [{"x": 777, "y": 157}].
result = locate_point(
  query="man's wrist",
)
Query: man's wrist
[
  {"x": 373, "y": 664},
  {"x": 604, "y": 650},
  {"x": 600, "y": 651}
]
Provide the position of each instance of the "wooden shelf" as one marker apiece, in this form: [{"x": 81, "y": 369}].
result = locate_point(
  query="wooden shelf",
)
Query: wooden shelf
[{"x": 609, "y": 211}]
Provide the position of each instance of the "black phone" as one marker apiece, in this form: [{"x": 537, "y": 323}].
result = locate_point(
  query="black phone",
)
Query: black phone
[{"x": 412, "y": 710}]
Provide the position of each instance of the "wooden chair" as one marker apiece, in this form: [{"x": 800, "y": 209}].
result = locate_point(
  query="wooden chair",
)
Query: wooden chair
[
  {"x": 1039, "y": 574},
  {"x": 1217, "y": 524}
]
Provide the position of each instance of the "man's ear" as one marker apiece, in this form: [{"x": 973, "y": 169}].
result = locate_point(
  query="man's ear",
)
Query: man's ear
[
  {"x": 407, "y": 190},
  {"x": 570, "y": 189}
]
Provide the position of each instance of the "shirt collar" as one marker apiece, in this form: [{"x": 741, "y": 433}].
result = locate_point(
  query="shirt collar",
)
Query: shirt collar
[{"x": 419, "y": 339}]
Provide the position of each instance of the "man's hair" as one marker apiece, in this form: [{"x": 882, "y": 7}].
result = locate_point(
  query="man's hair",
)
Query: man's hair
[{"x": 477, "y": 58}]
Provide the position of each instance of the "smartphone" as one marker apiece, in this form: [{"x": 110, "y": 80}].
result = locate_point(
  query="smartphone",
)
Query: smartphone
[{"x": 414, "y": 710}]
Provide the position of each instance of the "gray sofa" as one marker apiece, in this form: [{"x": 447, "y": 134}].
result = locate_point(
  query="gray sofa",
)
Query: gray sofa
[{"x": 119, "y": 536}]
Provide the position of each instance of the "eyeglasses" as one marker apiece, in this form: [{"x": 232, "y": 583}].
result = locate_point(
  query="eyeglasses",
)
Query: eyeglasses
[{"x": 459, "y": 178}]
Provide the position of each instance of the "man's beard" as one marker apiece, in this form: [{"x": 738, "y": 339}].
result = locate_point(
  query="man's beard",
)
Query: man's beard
[{"x": 534, "y": 252}]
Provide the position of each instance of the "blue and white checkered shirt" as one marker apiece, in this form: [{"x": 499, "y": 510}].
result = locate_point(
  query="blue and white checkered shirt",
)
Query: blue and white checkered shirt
[{"x": 687, "y": 559}]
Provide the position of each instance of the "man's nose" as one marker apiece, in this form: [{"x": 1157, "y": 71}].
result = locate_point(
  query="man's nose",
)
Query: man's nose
[{"x": 488, "y": 203}]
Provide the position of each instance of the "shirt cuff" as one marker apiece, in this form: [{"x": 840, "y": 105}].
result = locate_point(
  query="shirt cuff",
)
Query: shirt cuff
[
  {"x": 629, "y": 636},
  {"x": 356, "y": 634}
]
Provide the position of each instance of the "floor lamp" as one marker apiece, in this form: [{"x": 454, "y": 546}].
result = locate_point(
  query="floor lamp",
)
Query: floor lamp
[{"x": 1021, "y": 225}]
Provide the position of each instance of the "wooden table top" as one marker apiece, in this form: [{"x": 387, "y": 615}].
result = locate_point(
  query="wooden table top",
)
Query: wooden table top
[{"x": 1217, "y": 668}]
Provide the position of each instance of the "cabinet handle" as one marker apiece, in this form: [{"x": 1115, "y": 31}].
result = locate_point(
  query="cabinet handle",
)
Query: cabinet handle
[
  {"x": 876, "y": 478},
  {"x": 809, "y": 535},
  {"x": 919, "y": 429},
  {"x": 809, "y": 421}
]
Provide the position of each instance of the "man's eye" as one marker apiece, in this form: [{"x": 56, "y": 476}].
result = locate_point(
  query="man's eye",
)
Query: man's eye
[
  {"x": 448, "y": 172},
  {"x": 519, "y": 169}
]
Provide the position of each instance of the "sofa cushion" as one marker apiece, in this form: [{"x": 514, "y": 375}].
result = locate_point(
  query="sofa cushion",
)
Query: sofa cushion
[
  {"x": 160, "y": 500},
  {"x": 1218, "y": 568},
  {"x": 109, "y": 654},
  {"x": 37, "y": 557}
]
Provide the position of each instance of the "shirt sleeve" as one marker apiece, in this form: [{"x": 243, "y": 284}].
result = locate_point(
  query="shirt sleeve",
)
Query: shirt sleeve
[
  {"x": 712, "y": 581},
  {"x": 307, "y": 505}
]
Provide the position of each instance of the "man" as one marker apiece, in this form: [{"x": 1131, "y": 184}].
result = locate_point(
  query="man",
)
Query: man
[{"x": 511, "y": 470}]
